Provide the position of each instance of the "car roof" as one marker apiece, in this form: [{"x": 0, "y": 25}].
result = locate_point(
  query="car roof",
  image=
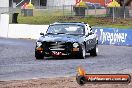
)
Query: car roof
[{"x": 74, "y": 23}]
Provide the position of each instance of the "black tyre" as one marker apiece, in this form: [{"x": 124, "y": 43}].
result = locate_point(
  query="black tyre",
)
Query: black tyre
[
  {"x": 39, "y": 56},
  {"x": 94, "y": 51},
  {"x": 82, "y": 52}
]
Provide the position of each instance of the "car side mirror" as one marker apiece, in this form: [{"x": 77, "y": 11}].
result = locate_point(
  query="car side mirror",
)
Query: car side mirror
[{"x": 42, "y": 34}]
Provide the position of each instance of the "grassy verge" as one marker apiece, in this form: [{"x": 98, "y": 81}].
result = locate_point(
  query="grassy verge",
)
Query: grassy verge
[{"x": 100, "y": 21}]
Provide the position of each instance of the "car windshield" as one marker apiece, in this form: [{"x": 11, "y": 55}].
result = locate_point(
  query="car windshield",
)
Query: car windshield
[{"x": 66, "y": 29}]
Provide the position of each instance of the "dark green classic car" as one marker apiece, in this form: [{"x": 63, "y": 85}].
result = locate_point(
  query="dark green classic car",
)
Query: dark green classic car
[{"x": 73, "y": 39}]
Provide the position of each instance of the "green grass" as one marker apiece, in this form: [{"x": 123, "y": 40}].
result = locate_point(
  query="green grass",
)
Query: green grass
[
  {"x": 48, "y": 16},
  {"x": 98, "y": 21},
  {"x": 52, "y": 12},
  {"x": 118, "y": 26}
]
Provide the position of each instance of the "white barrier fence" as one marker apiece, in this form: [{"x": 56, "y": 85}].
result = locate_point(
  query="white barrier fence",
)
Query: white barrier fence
[
  {"x": 4, "y": 25},
  {"x": 26, "y": 31},
  {"x": 19, "y": 30}
]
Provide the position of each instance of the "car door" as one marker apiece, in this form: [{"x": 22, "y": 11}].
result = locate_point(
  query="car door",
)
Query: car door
[{"x": 92, "y": 38}]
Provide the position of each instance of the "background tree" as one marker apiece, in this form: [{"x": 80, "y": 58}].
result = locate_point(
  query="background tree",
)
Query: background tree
[{"x": 124, "y": 2}]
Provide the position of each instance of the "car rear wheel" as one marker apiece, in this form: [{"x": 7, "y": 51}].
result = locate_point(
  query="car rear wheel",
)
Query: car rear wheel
[{"x": 94, "y": 51}]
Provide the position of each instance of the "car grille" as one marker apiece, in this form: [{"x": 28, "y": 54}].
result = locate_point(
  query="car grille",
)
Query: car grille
[{"x": 61, "y": 46}]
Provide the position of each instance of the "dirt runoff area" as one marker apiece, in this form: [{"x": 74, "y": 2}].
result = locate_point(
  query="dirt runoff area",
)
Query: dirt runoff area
[{"x": 62, "y": 82}]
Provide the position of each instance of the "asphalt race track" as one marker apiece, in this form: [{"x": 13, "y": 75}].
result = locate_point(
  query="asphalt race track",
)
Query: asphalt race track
[{"x": 17, "y": 61}]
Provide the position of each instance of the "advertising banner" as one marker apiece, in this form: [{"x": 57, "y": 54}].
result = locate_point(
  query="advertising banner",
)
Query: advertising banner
[{"x": 114, "y": 36}]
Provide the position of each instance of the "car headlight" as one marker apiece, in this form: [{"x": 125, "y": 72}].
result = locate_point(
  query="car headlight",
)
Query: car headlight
[
  {"x": 39, "y": 44},
  {"x": 75, "y": 45}
]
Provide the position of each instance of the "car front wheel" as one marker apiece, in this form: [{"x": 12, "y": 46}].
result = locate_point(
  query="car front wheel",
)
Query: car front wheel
[
  {"x": 82, "y": 52},
  {"x": 39, "y": 56}
]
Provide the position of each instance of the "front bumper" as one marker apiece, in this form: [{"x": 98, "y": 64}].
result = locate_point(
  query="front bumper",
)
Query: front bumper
[
  {"x": 56, "y": 52},
  {"x": 57, "y": 49}
]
